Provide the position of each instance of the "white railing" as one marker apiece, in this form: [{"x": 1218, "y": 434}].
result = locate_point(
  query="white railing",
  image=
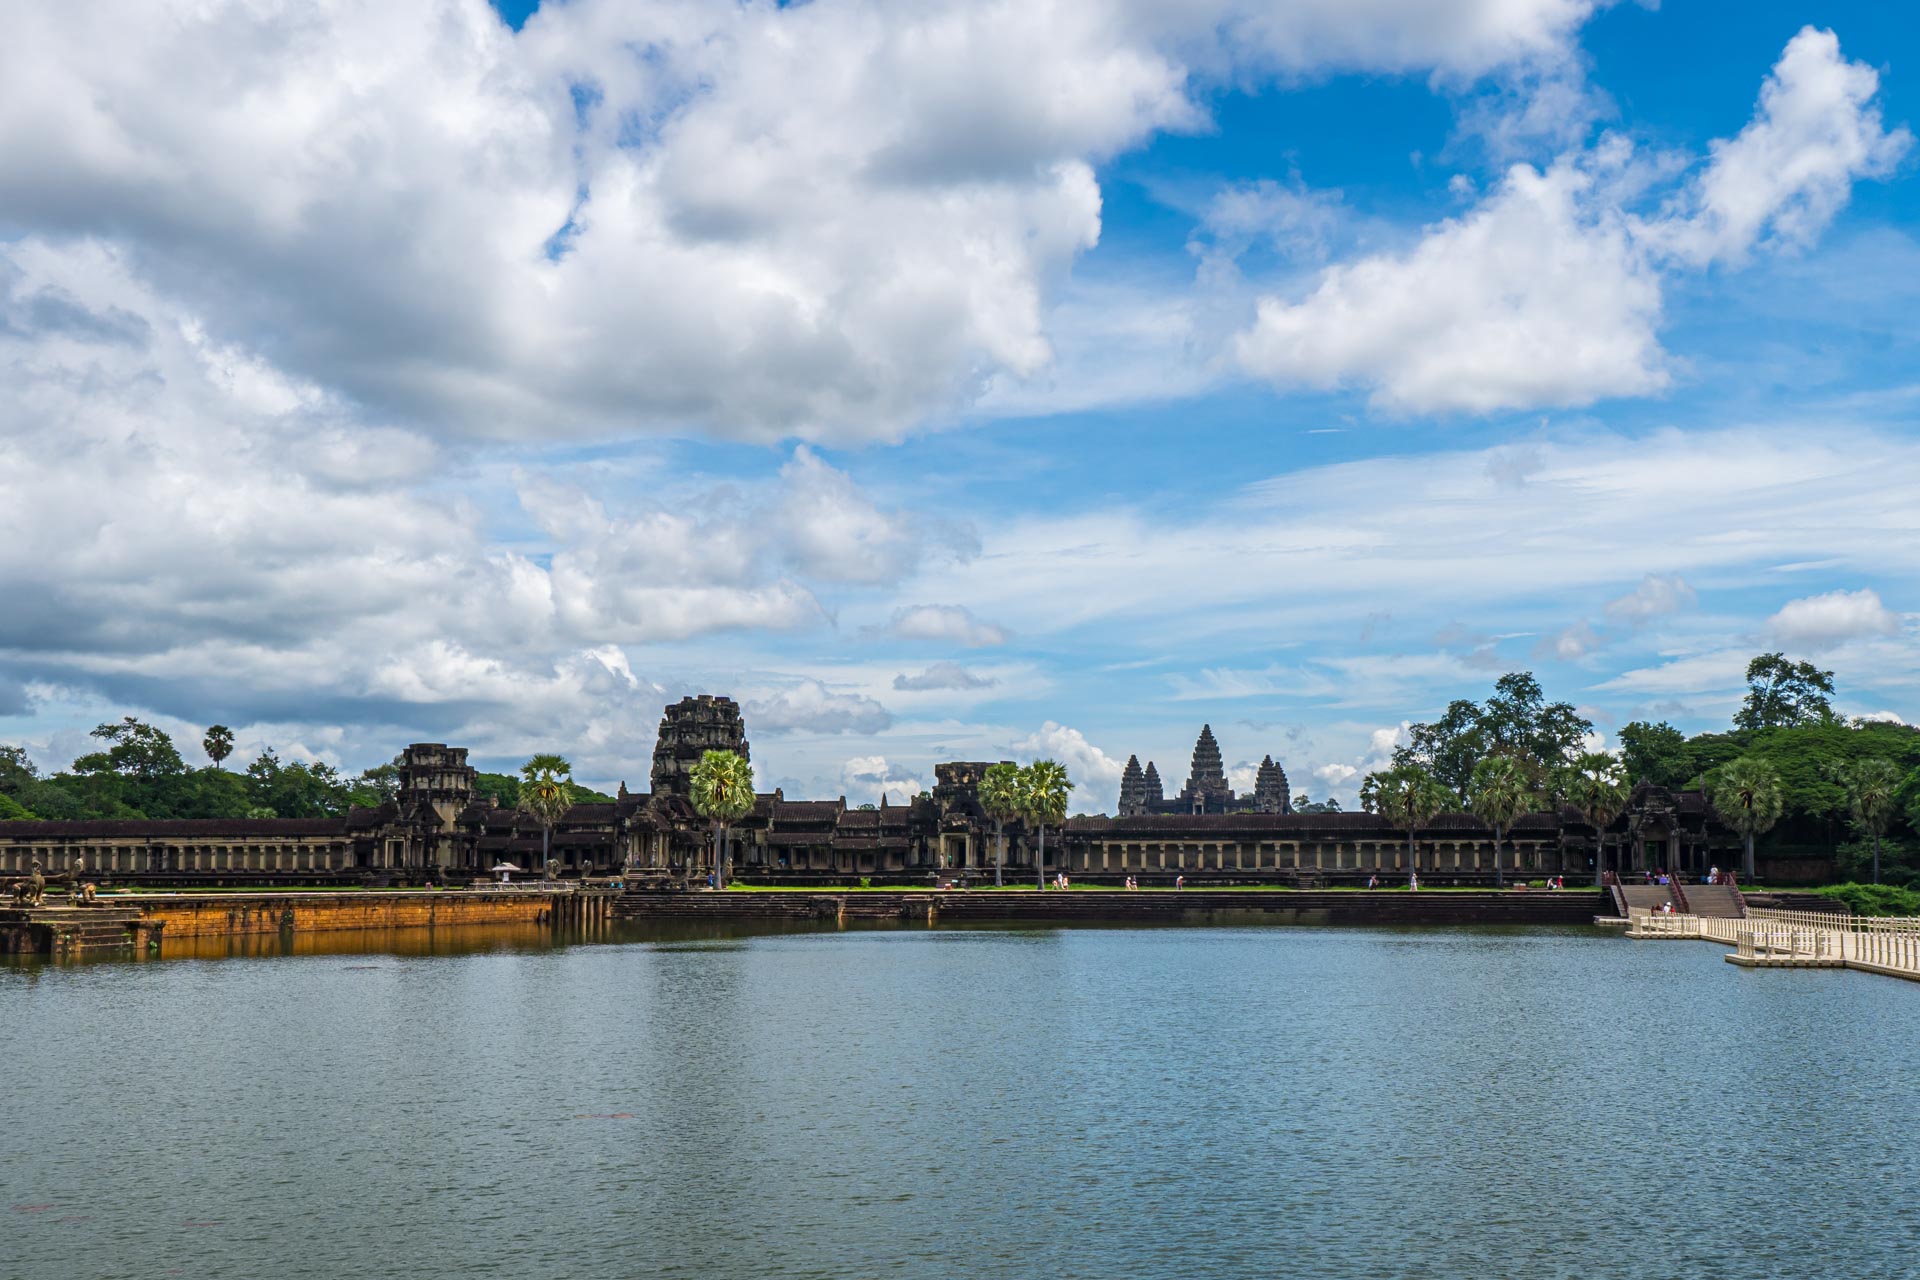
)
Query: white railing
[
  {"x": 1767, "y": 940},
  {"x": 1837, "y": 920},
  {"x": 1887, "y": 945}
]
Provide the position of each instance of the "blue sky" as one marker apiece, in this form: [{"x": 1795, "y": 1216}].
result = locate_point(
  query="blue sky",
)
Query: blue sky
[{"x": 951, "y": 381}]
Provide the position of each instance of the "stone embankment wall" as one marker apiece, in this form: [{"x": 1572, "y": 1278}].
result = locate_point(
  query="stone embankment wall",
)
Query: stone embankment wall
[
  {"x": 1571, "y": 906},
  {"x": 240, "y": 914}
]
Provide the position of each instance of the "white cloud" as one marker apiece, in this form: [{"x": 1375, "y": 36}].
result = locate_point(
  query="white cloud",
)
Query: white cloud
[
  {"x": 827, "y": 220},
  {"x": 811, "y": 707},
  {"x": 950, "y": 623},
  {"x": 942, "y": 675},
  {"x": 1095, "y": 774},
  {"x": 1549, "y": 292},
  {"x": 1569, "y": 643},
  {"x": 865, "y": 779},
  {"x": 1817, "y": 130},
  {"x": 1822, "y": 621},
  {"x": 1655, "y": 597},
  {"x": 1536, "y": 297}
]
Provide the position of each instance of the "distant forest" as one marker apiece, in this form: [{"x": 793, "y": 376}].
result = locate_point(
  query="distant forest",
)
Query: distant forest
[{"x": 138, "y": 773}]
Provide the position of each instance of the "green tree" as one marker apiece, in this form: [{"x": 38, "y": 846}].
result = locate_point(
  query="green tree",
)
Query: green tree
[
  {"x": 1746, "y": 794},
  {"x": 12, "y": 810},
  {"x": 1449, "y": 747},
  {"x": 1655, "y": 753},
  {"x": 1872, "y": 785},
  {"x": 1000, "y": 798},
  {"x": 1303, "y": 803},
  {"x": 1044, "y": 787},
  {"x": 381, "y": 783},
  {"x": 218, "y": 744},
  {"x": 546, "y": 794},
  {"x": 16, "y": 769},
  {"x": 722, "y": 783},
  {"x": 1501, "y": 792},
  {"x": 1516, "y": 721},
  {"x": 295, "y": 789},
  {"x": 136, "y": 750},
  {"x": 1408, "y": 796},
  {"x": 1596, "y": 785},
  {"x": 1780, "y": 692}
]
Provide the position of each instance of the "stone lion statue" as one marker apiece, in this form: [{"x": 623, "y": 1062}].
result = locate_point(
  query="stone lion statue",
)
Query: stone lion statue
[{"x": 31, "y": 891}]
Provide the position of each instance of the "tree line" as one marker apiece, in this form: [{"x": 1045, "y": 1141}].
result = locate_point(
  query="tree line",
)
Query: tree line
[
  {"x": 138, "y": 772},
  {"x": 1789, "y": 767}
]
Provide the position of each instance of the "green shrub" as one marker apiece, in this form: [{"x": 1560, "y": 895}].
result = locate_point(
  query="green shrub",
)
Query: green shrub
[{"x": 1875, "y": 899}]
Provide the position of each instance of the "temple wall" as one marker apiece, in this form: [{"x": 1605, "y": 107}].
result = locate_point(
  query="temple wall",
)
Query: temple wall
[
  {"x": 234, "y": 914},
  {"x": 125, "y": 855}
]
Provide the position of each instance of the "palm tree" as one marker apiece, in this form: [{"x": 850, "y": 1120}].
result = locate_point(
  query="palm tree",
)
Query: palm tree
[
  {"x": 546, "y": 793},
  {"x": 722, "y": 784},
  {"x": 1043, "y": 799},
  {"x": 1871, "y": 784},
  {"x": 1407, "y": 796},
  {"x": 1746, "y": 794},
  {"x": 1000, "y": 797},
  {"x": 1499, "y": 792},
  {"x": 1597, "y": 787},
  {"x": 218, "y": 744}
]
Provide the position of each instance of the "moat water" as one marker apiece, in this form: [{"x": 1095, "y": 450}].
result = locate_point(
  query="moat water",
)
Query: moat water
[{"x": 1073, "y": 1103}]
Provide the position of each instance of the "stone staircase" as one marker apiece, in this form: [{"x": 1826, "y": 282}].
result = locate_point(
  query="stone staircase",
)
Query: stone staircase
[
  {"x": 66, "y": 931},
  {"x": 1716, "y": 901}
]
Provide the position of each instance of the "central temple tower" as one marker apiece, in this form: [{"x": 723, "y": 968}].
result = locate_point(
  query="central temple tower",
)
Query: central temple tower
[{"x": 1207, "y": 790}]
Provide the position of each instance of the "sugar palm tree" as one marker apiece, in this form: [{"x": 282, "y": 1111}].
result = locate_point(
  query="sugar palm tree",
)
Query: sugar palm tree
[
  {"x": 1407, "y": 796},
  {"x": 1596, "y": 785},
  {"x": 1000, "y": 797},
  {"x": 1871, "y": 784},
  {"x": 546, "y": 793},
  {"x": 722, "y": 783},
  {"x": 218, "y": 744},
  {"x": 1043, "y": 800},
  {"x": 1746, "y": 794},
  {"x": 1499, "y": 792}
]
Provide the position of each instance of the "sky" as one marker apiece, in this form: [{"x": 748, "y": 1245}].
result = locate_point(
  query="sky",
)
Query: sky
[{"x": 949, "y": 380}]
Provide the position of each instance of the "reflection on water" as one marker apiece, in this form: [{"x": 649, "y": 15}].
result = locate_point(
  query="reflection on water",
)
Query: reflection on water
[{"x": 720, "y": 1102}]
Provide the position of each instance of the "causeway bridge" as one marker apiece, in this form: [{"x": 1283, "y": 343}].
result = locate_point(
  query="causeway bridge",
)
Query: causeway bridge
[{"x": 1780, "y": 938}]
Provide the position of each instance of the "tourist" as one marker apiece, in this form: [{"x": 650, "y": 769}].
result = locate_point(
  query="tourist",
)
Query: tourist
[
  {"x": 1373, "y": 882},
  {"x": 1179, "y": 882},
  {"x": 1413, "y": 882}
]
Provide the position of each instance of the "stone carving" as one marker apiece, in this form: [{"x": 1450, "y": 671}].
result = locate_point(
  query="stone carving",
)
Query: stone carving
[
  {"x": 1154, "y": 793},
  {"x": 31, "y": 891},
  {"x": 1270, "y": 793},
  {"x": 1133, "y": 788},
  {"x": 1207, "y": 789},
  {"x": 691, "y": 728}
]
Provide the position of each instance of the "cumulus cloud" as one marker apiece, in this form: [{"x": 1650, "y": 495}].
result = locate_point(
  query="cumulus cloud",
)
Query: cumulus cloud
[
  {"x": 866, "y": 779},
  {"x": 1655, "y": 597},
  {"x": 811, "y": 707},
  {"x": 1782, "y": 179},
  {"x": 1095, "y": 774},
  {"x": 1549, "y": 291},
  {"x": 1822, "y": 621},
  {"x": 942, "y": 675},
  {"x": 824, "y": 220},
  {"x": 948, "y": 623},
  {"x": 1536, "y": 297}
]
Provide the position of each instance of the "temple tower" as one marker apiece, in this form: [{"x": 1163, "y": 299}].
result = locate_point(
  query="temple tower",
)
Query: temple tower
[
  {"x": 1207, "y": 788},
  {"x": 436, "y": 782},
  {"x": 690, "y": 728},
  {"x": 1153, "y": 793},
  {"x": 1270, "y": 794},
  {"x": 1133, "y": 788}
]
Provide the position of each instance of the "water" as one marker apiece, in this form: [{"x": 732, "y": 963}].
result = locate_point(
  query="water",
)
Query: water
[{"x": 1076, "y": 1103}]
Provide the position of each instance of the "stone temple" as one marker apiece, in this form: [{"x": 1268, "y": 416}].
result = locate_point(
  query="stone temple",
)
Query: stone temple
[
  {"x": 1207, "y": 790},
  {"x": 439, "y": 827}
]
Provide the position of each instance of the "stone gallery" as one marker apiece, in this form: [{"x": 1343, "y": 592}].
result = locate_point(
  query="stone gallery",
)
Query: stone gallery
[{"x": 439, "y": 827}]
